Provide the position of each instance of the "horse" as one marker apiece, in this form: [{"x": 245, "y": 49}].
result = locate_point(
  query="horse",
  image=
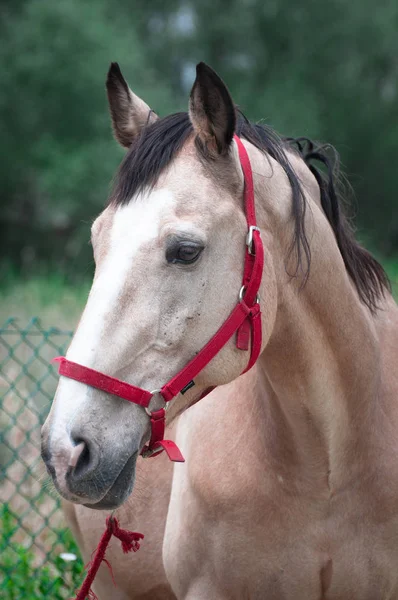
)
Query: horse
[{"x": 290, "y": 483}]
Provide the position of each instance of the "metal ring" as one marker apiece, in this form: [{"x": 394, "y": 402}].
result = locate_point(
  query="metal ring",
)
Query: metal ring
[
  {"x": 242, "y": 292},
  {"x": 159, "y": 391},
  {"x": 156, "y": 392}
]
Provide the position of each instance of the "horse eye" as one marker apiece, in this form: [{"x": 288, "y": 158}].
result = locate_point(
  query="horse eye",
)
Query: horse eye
[{"x": 185, "y": 253}]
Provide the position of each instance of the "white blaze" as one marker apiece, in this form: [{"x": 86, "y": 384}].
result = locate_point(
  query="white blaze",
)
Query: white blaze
[{"x": 133, "y": 225}]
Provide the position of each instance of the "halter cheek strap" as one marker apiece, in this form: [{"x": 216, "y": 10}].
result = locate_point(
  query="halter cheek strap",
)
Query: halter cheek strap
[{"x": 245, "y": 320}]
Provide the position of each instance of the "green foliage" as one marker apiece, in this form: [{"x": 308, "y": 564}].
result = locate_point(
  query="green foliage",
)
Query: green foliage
[
  {"x": 57, "y": 156},
  {"x": 324, "y": 70},
  {"x": 22, "y": 579}
]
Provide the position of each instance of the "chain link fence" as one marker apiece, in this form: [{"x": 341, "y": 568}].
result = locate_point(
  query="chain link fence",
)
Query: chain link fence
[{"x": 38, "y": 557}]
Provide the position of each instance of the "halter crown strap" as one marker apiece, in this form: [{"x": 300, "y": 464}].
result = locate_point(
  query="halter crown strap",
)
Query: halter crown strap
[{"x": 245, "y": 320}]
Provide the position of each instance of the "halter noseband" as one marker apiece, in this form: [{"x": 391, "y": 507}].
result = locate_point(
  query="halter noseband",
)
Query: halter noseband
[{"x": 245, "y": 320}]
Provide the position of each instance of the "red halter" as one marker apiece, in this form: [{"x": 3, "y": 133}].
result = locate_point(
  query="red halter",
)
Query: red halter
[{"x": 245, "y": 320}]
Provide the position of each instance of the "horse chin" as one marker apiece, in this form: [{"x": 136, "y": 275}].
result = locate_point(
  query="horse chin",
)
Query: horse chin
[{"x": 120, "y": 489}]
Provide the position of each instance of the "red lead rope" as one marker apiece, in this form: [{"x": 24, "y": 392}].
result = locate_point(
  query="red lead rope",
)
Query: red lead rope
[
  {"x": 244, "y": 320},
  {"x": 130, "y": 543}
]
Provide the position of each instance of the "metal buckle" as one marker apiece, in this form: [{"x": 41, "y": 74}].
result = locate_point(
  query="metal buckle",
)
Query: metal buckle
[
  {"x": 249, "y": 238},
  {"x": 149, "y": 412}
]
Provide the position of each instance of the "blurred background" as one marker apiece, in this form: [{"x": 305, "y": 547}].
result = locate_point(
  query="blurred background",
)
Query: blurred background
[{"x": 326, "y": 70}]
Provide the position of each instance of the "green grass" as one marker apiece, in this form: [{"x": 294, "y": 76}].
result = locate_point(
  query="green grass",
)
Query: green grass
[
  {"x": 50, "y": 297},
  {"x": 22, "y": 579}
]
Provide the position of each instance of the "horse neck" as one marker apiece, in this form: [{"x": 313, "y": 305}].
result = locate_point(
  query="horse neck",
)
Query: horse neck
[{"x": 319, "y": 368}]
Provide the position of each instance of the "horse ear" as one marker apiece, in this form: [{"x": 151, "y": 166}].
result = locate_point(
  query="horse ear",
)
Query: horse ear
[
  {"x": 211, "y": 110},
  {"x": 129, "y": 113}
]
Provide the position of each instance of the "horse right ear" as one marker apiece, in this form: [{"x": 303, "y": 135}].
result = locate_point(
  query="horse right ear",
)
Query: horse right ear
[{"x": 128, "y": 112}]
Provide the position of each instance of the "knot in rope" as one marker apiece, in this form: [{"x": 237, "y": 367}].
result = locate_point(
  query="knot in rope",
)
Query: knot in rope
[
  {"x": 130, "y": 539},
  {"x": 130, "y": 543}
]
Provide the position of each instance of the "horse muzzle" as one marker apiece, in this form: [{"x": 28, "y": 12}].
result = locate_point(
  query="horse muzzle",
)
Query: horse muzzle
[{"x": 84, "y": 473}]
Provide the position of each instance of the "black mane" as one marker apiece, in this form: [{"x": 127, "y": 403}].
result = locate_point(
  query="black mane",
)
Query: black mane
[
  {"x": 368, "y": 275},
  {"x": 157, "y": 145}
]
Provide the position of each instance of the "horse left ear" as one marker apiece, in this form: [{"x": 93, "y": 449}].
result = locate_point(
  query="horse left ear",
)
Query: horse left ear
[
  {"x": 129, "y": 113},
  {"x": 211, "y": 110}
]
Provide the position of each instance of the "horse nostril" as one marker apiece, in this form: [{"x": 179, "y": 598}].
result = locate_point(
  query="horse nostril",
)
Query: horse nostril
[
  {"x": 76, "y": 454},
  {"x": 80, "y": 461}
]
